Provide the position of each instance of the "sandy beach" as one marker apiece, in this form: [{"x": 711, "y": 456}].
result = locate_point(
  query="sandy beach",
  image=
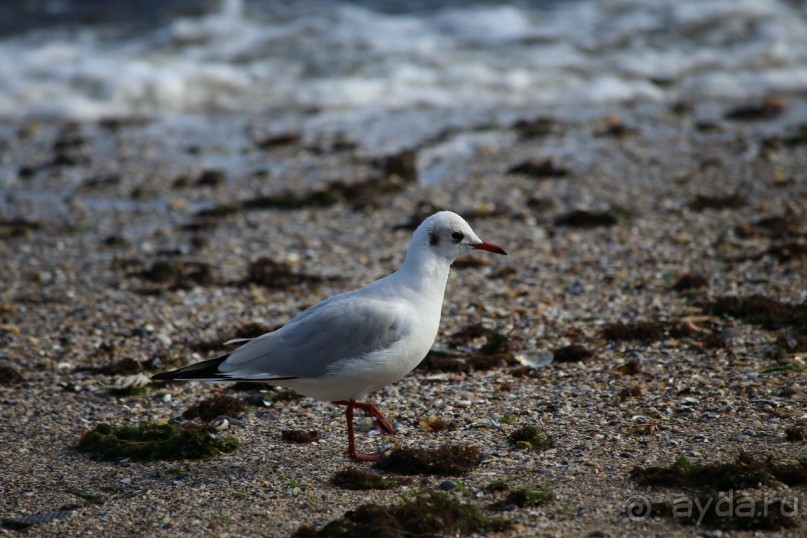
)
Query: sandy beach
[{"x": 117, "y": 245}]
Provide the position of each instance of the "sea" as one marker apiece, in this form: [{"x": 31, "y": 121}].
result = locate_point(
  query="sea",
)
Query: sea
[{"x": 388, "y": 73}]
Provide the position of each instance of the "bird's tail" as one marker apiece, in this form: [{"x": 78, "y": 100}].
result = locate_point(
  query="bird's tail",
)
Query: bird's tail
[{"x": 201, "y": 371}]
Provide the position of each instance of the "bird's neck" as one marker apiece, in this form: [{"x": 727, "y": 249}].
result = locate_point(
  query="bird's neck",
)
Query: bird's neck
[{"x": 425, "y": 274}]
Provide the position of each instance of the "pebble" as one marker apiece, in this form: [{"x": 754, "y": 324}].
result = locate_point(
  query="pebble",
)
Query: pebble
[
  {"x": 219, "y": 424},
  {"x": 365, "y": 425},
  {"x": 536, "y": 359}
]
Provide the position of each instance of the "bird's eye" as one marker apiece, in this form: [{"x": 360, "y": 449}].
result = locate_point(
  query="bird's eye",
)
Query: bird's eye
[{"x": 457, "y": 236}]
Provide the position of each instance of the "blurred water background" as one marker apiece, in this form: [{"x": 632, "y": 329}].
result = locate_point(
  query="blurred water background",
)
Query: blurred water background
[
  {"x": 379, "y": 68},
  {"x": 215, "y": 84}
]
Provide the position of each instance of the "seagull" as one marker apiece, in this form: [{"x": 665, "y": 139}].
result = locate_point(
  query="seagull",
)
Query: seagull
[{"x": 354, "y": 343}]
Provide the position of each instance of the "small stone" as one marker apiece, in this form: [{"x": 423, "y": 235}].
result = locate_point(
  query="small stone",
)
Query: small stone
[
  {"x": 219, "y": 424},
  {"x": 448, "y": 485},
  {"x": 364, "y": 425},
  {"x": 535, "y": 359}
]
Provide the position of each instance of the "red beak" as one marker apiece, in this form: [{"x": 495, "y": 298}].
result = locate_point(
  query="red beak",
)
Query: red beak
[{"x": 490, "y": 247}]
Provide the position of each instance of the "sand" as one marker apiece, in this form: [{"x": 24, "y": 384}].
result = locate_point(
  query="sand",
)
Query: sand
[{"x": 95, "y": 205}]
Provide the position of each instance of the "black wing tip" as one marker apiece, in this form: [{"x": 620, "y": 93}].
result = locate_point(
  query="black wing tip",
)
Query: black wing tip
[{"x": 208, "y": 369}]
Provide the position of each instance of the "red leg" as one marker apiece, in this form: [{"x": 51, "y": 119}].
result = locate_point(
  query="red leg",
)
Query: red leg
[
  {"x": 381, "y": 421},
  {"x": 351, "y": 437}
]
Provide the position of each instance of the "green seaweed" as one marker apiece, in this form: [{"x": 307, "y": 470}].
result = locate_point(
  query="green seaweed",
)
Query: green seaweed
[
  {"x": 781, "y": 368},
  {"x": 523, "y": 497},
  {"x": 795, "y": 433},
  {"x": 495, "y": 343},
  {"x": 10, "y": 375},
  {"x": 444, "y": 460},
  {"x": 300, "y": 436},
  {"x": 89, "y": 498},
  {"x": 530, "y": 438},
  {"x": 746, "y": 472},
  {"x": 215, "y": 406},
  {"x": 644, "y": 331},
  {"x": 360, "y": 479},
  {"x": 571, "y": 353},
  {"x": 149, "y": 441},
  {"x": 763, "y": 311},
  {"x": 430, "y": 514}
]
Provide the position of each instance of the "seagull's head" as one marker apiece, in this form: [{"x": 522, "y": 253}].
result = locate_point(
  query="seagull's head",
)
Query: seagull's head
[{"x": 447, "y": 235}]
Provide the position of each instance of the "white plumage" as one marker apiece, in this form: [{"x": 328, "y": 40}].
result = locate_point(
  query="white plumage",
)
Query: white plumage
[{"x": 349, "y": 345}]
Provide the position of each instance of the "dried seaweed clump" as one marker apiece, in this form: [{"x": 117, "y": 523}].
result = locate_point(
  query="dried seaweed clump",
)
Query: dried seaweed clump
[
  {"x": 18, "y": 228},
  {"x": 443, "y": 460},
  {"x": 761, "y": 310},
  {"x": 539, "y": 169},
  {"x": 252, "y": 329},
  {"x": 634, "y": 391},
  {"x": 534, "y": 127},
  {"x": 644, "y": 331},
  {"x": 797, "y": 432},
  {"x": 274, "y": 140},
  {"x": 277, "y": 274},
  {"x": 773, "y": 226},
  {"x": 149, "y": 441},
  {"x": 179, "y": 274},
  {"x": 746, "y": 472},
  {"x": 360, "y": 479},
  {"x": 523, "y": 497},
  {"x": 581, "y": 218},
  {"x": 493, "y": 353},
  {"x": 215, "y": 406},
  {"x": 530, "y": 438},
  {"x": 632, "y": 367},
  {"x": 705, "y": 508},
  {"x": 437, "y": 361},
  {"x": 772, "y": 106},
  {"x": 10, "y": 375},
  {"x": 785, "y": 252},
  {"x": 402, "y": 164},
  {"x": 690, "y": 281},
  {"x": 571, "y": 353},
  {"x": 429, "y": 514},
  {"x": 730, "y": 201},
  {"x": 300, "y": 436},
  {"x": 399, "y": 173}
]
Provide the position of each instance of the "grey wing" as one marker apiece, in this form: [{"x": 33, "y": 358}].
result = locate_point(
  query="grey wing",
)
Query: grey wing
[{"x": 312, "y": 342}]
